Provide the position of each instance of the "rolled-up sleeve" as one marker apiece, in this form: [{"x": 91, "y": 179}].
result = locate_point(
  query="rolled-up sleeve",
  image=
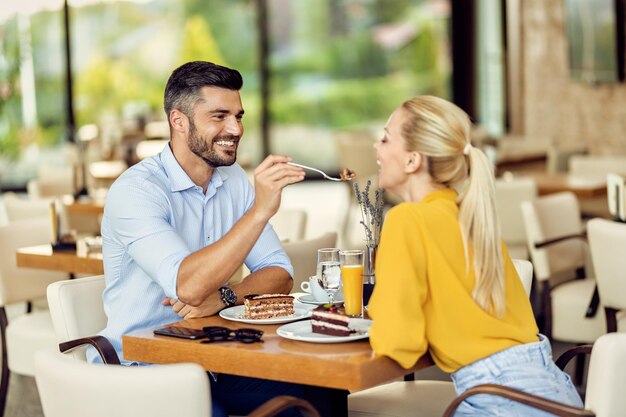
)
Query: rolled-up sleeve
[{"x": 138, "y": 215}]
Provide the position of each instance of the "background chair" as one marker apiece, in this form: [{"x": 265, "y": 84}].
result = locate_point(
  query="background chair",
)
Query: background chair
[
  {"x": 524, "y": 269},
  {"x": 596, "y": 167},
  {"x": 53, "y": 181},
  {"x": 29, "y": 332},
  {"x": 74, "y": 388},
  {"x": 289, "y": 224},
  {"x": 559, "y": 253},
  {"x": 303, "y": 255},
  {"x": 416, "y": 398},
  {"x": 605, "y": 384},
  {"x": 77, "y": 310},
  {"x": 22, "y": 208},
  {"x": 19, "y": 208},
  {"x": 510, "y": 193},
  {"x": 607, "y": 241}
]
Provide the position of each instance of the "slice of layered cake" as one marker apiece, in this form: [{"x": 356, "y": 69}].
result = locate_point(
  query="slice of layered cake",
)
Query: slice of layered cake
[
  {"x": 267, "y": 306},
  {"x": 331, "y": 320}
]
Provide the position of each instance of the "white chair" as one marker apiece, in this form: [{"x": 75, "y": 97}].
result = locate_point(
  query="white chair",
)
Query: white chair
[
  {"x": 303, "y": 255},
  {"x": 416, "y": 398},
  {"x": 74, "y": 388},
  {"x": 607, "y": 241},
  {"x": 524, "y": 269},
  {"x": 20, "y": 208},
  {"x": 69, "y": 388},
  {"x": 27, "y": 333},
  {"x": 596, "y": 167},
  {"x": 52, "y": 181},
  {"x": 558, "y": 249},
  {"x": 148, "y": 148},
  {"x": 289, "y": 224},
  {"x": 23, "y": 208},
  {"x": 77, "y": 310},
  {"x": 616, "y": 196},
  {"x": 605, "y": 384},
  {"x": 510, "y": 193}
]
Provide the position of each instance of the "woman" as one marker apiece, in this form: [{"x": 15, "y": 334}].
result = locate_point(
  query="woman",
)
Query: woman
[{"x": 445, "y": 282}]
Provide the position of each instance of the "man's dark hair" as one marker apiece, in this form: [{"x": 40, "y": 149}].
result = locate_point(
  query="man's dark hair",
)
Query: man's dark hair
[{"x": 183, "y": 87}]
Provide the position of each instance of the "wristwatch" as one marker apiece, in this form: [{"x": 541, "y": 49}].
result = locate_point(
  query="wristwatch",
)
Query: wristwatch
[{"x": 228, "y": 296}]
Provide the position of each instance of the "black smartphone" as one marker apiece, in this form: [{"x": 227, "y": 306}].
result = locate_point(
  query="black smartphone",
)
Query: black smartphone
[{"x": 183, "y": 332}]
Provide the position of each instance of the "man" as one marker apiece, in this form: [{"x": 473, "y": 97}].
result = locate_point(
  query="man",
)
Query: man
[{"x": 178, "y": 225}]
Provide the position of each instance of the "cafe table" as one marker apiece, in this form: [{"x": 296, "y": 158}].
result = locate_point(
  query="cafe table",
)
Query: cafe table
[
  {"x": 337, "y": 368},
  {"x": 583, "y": 187},
  {"x": 79, "y": 261}
]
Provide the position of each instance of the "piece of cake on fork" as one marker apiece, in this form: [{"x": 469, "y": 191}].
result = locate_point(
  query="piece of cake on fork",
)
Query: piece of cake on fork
[
  {"x": 267, "y": 306},
  {"x": 330, "y": 320}
]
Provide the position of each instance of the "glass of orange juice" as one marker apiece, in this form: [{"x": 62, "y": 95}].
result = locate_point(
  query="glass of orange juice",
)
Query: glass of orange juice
[{"x": 351, "y": 262}]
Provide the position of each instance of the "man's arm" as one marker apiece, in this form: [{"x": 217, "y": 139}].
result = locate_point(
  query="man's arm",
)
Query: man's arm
[
  {"x": 203, "y": 272},
  {"x": 272, "y": 279}
]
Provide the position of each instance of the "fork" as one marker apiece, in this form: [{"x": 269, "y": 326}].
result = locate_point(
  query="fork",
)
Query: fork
[{"x": 328, "y": 177}]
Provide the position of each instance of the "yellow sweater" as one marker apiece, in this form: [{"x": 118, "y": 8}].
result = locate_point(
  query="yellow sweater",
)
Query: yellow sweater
[{"x": 423, "y": 301}]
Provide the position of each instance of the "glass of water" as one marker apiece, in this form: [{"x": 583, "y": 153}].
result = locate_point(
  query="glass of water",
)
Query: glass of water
[{"x": 329, "y": 271}]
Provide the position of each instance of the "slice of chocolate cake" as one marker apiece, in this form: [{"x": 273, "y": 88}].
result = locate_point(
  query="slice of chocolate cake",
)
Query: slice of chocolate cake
[
  {"x": 267, "y": 306},
  {"x": 331, "y": 320}
]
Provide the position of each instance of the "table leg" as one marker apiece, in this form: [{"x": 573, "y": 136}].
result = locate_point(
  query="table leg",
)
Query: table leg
[{"x": 329, "y": 402}]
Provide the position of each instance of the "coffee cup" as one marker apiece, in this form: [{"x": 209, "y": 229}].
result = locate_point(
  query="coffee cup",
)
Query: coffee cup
[{"x": 313, "y": 287}]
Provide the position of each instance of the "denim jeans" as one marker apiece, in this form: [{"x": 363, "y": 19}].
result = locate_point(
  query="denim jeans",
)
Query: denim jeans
[{"x": 528, "y": 368}]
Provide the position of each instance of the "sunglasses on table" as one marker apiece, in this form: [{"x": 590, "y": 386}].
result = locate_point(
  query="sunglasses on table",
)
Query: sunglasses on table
[{"x": 223, "y": 334}]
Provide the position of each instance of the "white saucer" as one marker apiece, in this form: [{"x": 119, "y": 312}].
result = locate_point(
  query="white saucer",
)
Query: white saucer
[{"x": 308, "y": 299}]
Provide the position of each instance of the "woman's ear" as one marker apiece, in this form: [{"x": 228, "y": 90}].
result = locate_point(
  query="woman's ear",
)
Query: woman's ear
[{"x": 413, "y": 162}]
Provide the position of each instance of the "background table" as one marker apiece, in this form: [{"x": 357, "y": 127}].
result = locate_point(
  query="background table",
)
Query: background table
[{"x": 76, "y": 262}]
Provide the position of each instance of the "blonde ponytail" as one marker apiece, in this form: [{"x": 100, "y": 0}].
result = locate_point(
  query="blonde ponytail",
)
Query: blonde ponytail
[
  {"x": 480, "y": 226},
  {"x": 439, "y": 131}
]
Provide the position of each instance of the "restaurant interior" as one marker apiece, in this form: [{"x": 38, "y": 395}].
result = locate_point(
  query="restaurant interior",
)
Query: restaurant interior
[{"x": 81, "y": 89}]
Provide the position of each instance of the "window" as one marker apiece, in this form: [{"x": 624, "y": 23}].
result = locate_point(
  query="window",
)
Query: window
[{"x": 335, "y": 66}]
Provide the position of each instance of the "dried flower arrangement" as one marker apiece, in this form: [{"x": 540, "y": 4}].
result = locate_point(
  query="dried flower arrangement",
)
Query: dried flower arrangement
[{"x": 371, "y": 213}]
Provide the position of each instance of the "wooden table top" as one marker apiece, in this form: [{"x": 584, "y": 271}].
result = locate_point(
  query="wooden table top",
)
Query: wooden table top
[
  {"x": 346, "y": 366},
  {"x": 43, "y": 257},
  {"x": 581, "y": 186},
  {"x": 86, "y": 207}
]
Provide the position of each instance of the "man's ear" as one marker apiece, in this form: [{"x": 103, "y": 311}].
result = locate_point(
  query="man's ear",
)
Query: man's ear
[
  {"x": 413, "y": 162},
  {"x": 178, "y": 120}
]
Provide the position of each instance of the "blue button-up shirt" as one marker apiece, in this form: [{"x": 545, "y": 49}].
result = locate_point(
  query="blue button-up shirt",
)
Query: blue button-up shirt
[{"x": 154, "y": 217}]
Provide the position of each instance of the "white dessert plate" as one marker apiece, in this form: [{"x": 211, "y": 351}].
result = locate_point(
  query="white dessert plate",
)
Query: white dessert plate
[
  {"x": 235, "y": 313},
  {"x": 308, "y": 299},
  {"x": 301, "y": 331}
]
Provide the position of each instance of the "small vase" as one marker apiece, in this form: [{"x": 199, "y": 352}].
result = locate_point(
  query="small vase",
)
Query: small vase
[{"x": 369, "y": 276}]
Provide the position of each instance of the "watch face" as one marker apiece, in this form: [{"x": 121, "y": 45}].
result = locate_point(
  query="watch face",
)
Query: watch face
[{"x": 228, "y": 296}]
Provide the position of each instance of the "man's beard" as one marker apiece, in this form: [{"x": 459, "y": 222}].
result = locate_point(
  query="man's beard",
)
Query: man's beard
[{"x": 203, "y": 148}]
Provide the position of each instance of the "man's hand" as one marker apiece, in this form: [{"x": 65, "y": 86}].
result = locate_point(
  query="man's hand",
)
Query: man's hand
[
  {"x": 212, "y": 305},
  {"x": 270, "y": 177}
]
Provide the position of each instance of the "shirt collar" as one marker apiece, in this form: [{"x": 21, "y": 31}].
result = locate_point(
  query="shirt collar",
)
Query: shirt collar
[{"x": 179, "y": 179}]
